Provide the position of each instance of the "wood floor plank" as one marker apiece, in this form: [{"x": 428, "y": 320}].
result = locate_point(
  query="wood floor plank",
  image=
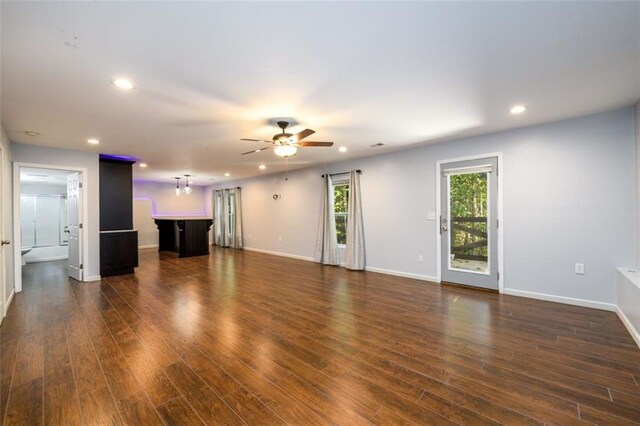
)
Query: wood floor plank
[
  {"x": 177, "y": 412},
  {"x": 136, "y": 409},
  {"x": 247, "y": 338},
  {"x": 99, "y": 408},
  {"x": 25, "y": 404},
  {"x": 206, "y": 402}
]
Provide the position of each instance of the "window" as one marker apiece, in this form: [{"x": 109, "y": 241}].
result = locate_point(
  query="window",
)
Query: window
[{"x": 340, "y": 203}]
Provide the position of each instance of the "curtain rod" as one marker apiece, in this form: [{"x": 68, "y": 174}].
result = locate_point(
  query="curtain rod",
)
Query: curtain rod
[{"x": 344, "y": 173}]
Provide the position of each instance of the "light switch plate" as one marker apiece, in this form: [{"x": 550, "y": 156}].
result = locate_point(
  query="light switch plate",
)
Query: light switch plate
[
  {"x": 579, "y": 268},
  {"x": 431, "y": 215}
]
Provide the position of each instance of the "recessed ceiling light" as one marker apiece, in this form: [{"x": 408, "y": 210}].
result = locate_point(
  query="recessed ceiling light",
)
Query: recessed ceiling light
[
  {"x": 32, "y": 133},
  {"x": 93, "y": 141},
  {"x": 143, "y": 165},
  {"x": 343, "y": 149},
  {"x": 124, "y": 84},
  {"x": 518, "y": 109},
  {"x": 262, "y": 167},
  {"x": 227, "y": 174}
]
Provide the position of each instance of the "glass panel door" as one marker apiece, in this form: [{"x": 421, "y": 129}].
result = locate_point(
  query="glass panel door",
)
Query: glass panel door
[{"x": 469, "y": 222}]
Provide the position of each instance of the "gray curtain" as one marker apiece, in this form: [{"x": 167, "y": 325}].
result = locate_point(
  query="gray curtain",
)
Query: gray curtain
[
  {"x": 355, "y": 256},
  {"x": 227, "y": 215},
  {"x": 236, "y": 238},
  {"x": 327, "y": 242},
  {"x": 218, "y": 217}
]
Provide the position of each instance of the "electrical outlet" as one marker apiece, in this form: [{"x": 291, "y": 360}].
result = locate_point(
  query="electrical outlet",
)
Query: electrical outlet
[
  {"x": 420, "y": 259},
  {"x": 249, "y": 237},
  {"x": 579, "y": 268},
  {"x": 279, "y": 237}
]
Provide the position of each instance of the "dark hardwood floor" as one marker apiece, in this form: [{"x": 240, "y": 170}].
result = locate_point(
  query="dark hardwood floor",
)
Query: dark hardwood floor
[{"x": 247, "y": 338}]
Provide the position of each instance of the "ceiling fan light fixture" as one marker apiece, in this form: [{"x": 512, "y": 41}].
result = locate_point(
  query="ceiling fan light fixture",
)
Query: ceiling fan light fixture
[
  {"x": 177, "y": 185},
  {"x": 285, "y": 150}
]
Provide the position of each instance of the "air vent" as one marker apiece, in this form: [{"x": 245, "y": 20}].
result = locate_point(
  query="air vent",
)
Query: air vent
[{"x": 376, "y": 145}]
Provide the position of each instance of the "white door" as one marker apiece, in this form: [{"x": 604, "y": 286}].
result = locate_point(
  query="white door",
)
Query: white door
[
  {"x": 469, "y": 223},
  {"x": 74, "y": 227},
  {"x": 2, "y": 244}
]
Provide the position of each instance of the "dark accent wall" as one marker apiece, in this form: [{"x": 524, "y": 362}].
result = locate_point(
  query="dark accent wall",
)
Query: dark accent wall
[
  {"x": 116, "y": 195},
  {"x": 118, "y": 240}
]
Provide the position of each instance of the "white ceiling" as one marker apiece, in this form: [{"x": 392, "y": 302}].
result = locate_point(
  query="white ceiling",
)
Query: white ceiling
[
  {"x": 208, "y": 74},
  {"x": 44, "y": 176}
]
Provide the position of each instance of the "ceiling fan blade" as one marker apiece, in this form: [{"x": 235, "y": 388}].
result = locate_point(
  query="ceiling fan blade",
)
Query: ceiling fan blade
[
  {"x": 256, "y": 140},
  {"x": 255, "y": 150},
  {"x": 315, "y": 144},
  {"x": 301, "y": 135}
]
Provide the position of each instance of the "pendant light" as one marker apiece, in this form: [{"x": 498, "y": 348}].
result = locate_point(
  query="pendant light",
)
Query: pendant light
[
  {"x": 187, "y": 188},
  {"x": 177, "y": 185}
]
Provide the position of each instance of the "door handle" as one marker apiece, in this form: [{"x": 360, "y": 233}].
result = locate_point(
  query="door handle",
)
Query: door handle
[
  {"x": 443, "y": 225},
  {"x": 5, "y": 242},
  {"x": 66, "y": 229}
]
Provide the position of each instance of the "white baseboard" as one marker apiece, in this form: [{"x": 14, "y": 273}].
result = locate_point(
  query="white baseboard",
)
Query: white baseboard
[
  {"x": 277, "y": 253},
  {"x": 92, "y": 278},
  {"x": 148, "y": 246},
  {"x": 370, "y": 269},
  {"x": 47, "y": 259},
  {"x": 627, "y": 323},
  {"x": 403, "y": 274},
  {"x": 8, "y": 302},
  {"x": 561, "y": 299}
]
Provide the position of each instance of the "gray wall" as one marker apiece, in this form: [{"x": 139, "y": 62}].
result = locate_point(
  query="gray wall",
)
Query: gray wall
[
  {"x": 569, "y": 196},
  {"x": 68, "y": 158}
]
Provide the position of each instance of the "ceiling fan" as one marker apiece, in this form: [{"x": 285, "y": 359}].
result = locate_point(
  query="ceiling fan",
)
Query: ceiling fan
[{"x": 286, "y": 144}]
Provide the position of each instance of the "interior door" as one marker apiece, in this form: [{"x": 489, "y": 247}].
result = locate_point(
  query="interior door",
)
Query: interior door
[
  {"x": 74, "y": 226},
  {"x": 469, "y": 222}
]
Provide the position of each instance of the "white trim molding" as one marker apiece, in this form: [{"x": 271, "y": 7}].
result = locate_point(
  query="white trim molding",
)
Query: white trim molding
[
  {"x": 8, "y": 302},
  {"x": 92, "y": 278},
  {"x": 281, "y": 254},
  {"x": 627, "y": 323},
  {"x": 628, "y": 300},
  {"x": 17, "y": 237},
  {"x": 420, "y": 277},
  {"x": 561, "y": 299},
  {"x": 368, "y": 268},
  {"x": 148, "y": 246}
]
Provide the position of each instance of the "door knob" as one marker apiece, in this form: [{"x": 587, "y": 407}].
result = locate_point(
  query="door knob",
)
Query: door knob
[
  {"x": 443, "y": 225},
  {"x": 5, "y": 242}
]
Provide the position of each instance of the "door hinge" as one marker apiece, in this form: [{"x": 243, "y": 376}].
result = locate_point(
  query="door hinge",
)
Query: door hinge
[
  {"x": 80, "y": 185},
  {"x": 497, "y": 223},
  {"x": 81, "y": 266},
  {"x": 79, "y": 226},
  {"x": 498, "y": 276}
]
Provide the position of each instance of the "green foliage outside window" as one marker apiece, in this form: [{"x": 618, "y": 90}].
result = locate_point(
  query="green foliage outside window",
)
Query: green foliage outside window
[
  {"x": 340, "y": 206},
  {"x": 468, "y": 195}
]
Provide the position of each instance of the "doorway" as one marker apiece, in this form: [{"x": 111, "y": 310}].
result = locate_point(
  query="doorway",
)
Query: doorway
[
  {"x": 469, "y": 222},
  {"x": 49, "y": 210}
]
